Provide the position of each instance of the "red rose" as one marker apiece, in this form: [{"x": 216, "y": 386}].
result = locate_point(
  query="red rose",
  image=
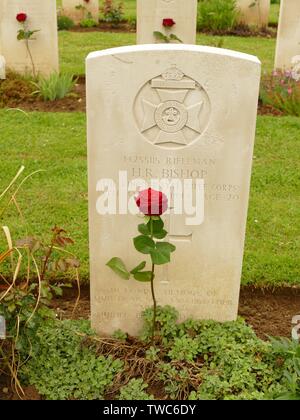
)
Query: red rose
[
  {"x": 21, "y": 17},
  {"x": 168, "y": 22},
  {"x": 152, "y": 202}
]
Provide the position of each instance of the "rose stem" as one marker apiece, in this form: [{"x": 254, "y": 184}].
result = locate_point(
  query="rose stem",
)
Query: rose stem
[
  {"x": 31, "y": 58},
  {"x": 152, "y": 289}
]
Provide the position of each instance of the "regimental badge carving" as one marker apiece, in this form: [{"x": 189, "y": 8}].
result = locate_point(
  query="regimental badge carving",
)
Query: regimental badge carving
[{"x": 172, "y": 110}]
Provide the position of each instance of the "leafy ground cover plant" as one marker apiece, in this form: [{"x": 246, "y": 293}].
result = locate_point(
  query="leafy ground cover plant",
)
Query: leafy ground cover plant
[
  {"x": 88, "y": 22},
  {"x": 112, "y": 12},
  {"x": 281, "y": 91},
  {"x": 56, "y": 86},
  {"x": 191, "y": 360},
  {"x": 289, "y": 352},
  {"x": 217, "y": 15},
  {"x": 135, "y": 390},
  {"x": 62, "y": 368},
  {"x": 64, "y": 23}
]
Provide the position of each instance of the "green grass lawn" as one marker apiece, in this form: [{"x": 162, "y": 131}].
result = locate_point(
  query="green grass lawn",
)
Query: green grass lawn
[
  {"x": 74, "y": 47},
  {"x": 56, "y": 143},
  {"x": 274, "y": 13}
]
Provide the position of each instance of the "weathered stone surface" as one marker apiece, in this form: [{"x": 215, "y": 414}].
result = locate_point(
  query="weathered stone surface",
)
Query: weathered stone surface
[
  {"x": 150, "y": 15},
  {"x": 288, "y": 37},
  {"x": 41, "y": 15},
  {"x": 254, "y": 12},
  {"x": 2, "y": 67},
  {"x": 70, "y": 8},
  {"x": 172, "y": 112}
]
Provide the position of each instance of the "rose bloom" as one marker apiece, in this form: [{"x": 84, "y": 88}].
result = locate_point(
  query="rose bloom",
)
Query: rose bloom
[
  {"x": 152, "y": 202},
  {"x": 168, "y": 22},
  {"x": 21, "y": 17}
]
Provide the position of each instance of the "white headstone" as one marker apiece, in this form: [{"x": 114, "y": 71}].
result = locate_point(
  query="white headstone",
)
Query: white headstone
[
  {"x": 213, "y": 94},
  {"x": 254, "y": 12},
  {"x": 70, "y": 8},
  {"x": 2, "y": 67},
  {"x": 41, "y": 15},
  {"x": 150, "y": 15},
  {"x": 288, "y": 37}
]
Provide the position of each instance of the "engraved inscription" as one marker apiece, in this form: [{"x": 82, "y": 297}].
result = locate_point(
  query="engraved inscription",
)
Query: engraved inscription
[
  {"x": 193, "y": 296},
  {"x": 172, "y": 110}
]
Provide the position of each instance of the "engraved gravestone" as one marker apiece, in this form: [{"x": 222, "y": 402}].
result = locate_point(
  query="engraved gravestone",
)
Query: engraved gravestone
[
  {"x": 288, "y": 37},
  {"x": 254, "y": 12},
  {"x": 41, "y": 15},
  {"x": 2, "y": 67},
  {"x": 78, "y": 10},
  {"x": 150, "y": 15},
  {"x": 170, "y": 112}
]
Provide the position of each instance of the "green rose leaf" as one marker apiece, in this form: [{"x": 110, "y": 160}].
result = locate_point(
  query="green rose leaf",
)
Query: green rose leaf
[
  {"x": 174, "y": 37},
  {"x": 138, "y": 268},
  {"x": 165, "y": 247},
  {"x": 161, "y": 254},
  {"x": 160, "y": 36},
  {"x": 144, "y": 229},
  {"x": 160, "y": 235},
  {"x": 160, "y": 258},
  {"x": 117, "y": 265},
  {"x": 144, "y": 276},
  {"x": 157, "y": 224},
  {"x": 21, "y": 35},
  {"x": 144, "y": 244}
]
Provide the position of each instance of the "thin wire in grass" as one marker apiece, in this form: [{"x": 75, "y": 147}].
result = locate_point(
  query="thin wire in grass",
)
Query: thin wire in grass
[
  {"x": 12, "y": 182},
  {"x": 39, "y": 290},
  {"x": 13, "y": 373},
  {"x": 13, "y": 196},
  {"x": 15, "y": 275},
  {"x": 19, "y": 110}
]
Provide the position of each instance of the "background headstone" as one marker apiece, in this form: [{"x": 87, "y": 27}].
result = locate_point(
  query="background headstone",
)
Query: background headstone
[
  {"x": 150, "y": 14},
  {"x": 44, "y": 48},
  {"x": 2, "y": 67},
  {"x": 288, "y": 37},
  {"x": 254, "y": 12},
  {"x": 214, "y": 143},
  {"x": 91, "y": 7}
]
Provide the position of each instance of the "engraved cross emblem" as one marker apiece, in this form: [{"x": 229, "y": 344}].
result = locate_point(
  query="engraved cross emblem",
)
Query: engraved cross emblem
[{"x": 173, "y": 117}]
